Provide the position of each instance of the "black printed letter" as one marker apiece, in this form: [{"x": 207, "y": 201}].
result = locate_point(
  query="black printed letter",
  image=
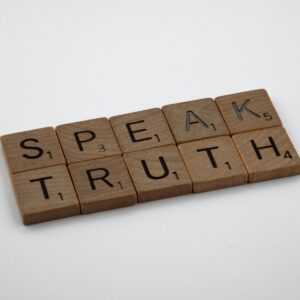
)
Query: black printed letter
[
  {"x": 210, "y": 155},
  {"x": 132, "y": 132},
  {"x": 164, "y": 165},
  {"x": 39, "y": 150},
  {"x": 188, "y": 121},
  {"x": 43, "y": 185},
  {"x": 91, "y": 137},
  {"x": 273, "y": 146},
  {"x": 103, "y": 177},
  {"x": 243, "y": 108}
]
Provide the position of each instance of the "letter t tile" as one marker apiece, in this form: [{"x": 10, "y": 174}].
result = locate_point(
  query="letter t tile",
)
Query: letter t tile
[{"x": 213, "y": 164}]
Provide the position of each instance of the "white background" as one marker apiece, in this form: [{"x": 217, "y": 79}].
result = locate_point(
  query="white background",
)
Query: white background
[{"x": 64, "y": 61}]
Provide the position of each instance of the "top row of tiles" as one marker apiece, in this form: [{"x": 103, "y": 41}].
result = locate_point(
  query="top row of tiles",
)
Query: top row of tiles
[{"x": 188, "y": 121}]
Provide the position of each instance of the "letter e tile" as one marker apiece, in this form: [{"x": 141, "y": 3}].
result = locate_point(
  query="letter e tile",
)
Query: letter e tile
[{"x": 142, "y": 130}]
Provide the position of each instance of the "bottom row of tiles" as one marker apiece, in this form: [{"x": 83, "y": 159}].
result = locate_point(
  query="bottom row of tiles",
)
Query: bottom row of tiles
[{"x": 112, "y": 182}]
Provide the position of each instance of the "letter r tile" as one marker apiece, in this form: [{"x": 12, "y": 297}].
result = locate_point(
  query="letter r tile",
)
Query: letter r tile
[
  {"x": 248, "y": 111},
  {"x": 195, "y": 120},
  {"x": 33, "y": 149},
  {"x": 87, "y": 140},
  {"x": 142, "y": 130},
  {"x": 45, "y": 194},
  {"x": 267, "y": 154},
  {"x": 103, "y": 184},
  {"x": 158, "y": 173},
  {"x": 213, "y": 164}
]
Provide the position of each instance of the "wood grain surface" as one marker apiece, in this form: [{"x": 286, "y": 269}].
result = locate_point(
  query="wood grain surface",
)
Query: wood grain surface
[
  {"x": 45, "y": 194},
  {"x": 103, "y": 184},
  {"x": 195, "y": 120},
  {"x": 213, "y": 164},
  {"x": 87, "y": 140},
  {"x": 267, "y": 154},
  {"x": 142, "y": 130},
  {"x": 158, "y": 173},
  {"x": 248, "y": 111},
  {"x": 192, "y": 146},
  {"x": 33, "y": 149}
]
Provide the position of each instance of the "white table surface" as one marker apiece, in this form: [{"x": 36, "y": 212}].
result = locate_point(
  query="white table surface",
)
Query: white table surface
[{"x": 64, "y": 61}]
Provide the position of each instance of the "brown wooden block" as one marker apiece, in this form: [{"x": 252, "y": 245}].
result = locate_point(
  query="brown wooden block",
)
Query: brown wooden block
[
  {"x": 87, "y": 140},
  {"x": 158, "y": 173},
  {"x": 45, "y": 194},
  {"x": 103, "y": 184},
  {"x": 213, "y": 164},
  {"x": 195, "y": 120},
  {"x": 142, "y": 130},
  {"x": 33, "y": 149},
  {"x": 248, "y": 111},
  {"x": 267, "y": 154}
]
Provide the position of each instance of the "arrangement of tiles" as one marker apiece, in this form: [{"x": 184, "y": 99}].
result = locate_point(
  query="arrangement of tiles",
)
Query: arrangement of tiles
[{"x": 187, "y": 147}]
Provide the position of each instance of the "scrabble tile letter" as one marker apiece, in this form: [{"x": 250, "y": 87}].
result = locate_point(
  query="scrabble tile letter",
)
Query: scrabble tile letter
[
  {"x": 103, "y": 184},
  {"x": 267, "y": 154},
  {"x": 158, "y": 173},
  {"x": 142, "y": 130},
  {"x": 195, "y": 120},
  {"x": 32, "y": 149},
  {"x": 248, "y": 111},
  {"x": 87, "y": 140},
  {"x": 45, "y": 194},
  {"x": 213, "y": 164}
]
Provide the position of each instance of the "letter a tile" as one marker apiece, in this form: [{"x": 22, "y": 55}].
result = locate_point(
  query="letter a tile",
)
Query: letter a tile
[
  {"x": 158, "y": 173},
  {"x": 103, "y": 184},
  {"x": 195, "y": 120},
  {"x": 267, "y": 154},
  {"x": 142, "y": 130},
  {"x": 213, "y": 164},
  {"x": 45, "y": 194},
  {"x": 87, "y": 140},
  {"x": 248, "y": 111},
  {"x": 33, "y": 149}
]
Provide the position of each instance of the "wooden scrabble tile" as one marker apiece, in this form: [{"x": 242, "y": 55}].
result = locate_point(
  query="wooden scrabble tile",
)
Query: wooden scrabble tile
[
  {"x": 142, "y": 130},
  {"x": 87, "y": 140},
  {"x": 103, "y": 184},
  {"x": 195, "y": 120},
  {"x": 267, "y": 154},
  {"x": 248, "y": 111},
  {"x": 34, "y": 149},
  {"x": 158, "y": 173},
  {"x": 213, "y": 164},
  {"x": 45, "y": 194}
]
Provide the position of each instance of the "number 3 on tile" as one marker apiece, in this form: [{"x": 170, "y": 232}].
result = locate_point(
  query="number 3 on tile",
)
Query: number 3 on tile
[{"x": 101, "y": 148}]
